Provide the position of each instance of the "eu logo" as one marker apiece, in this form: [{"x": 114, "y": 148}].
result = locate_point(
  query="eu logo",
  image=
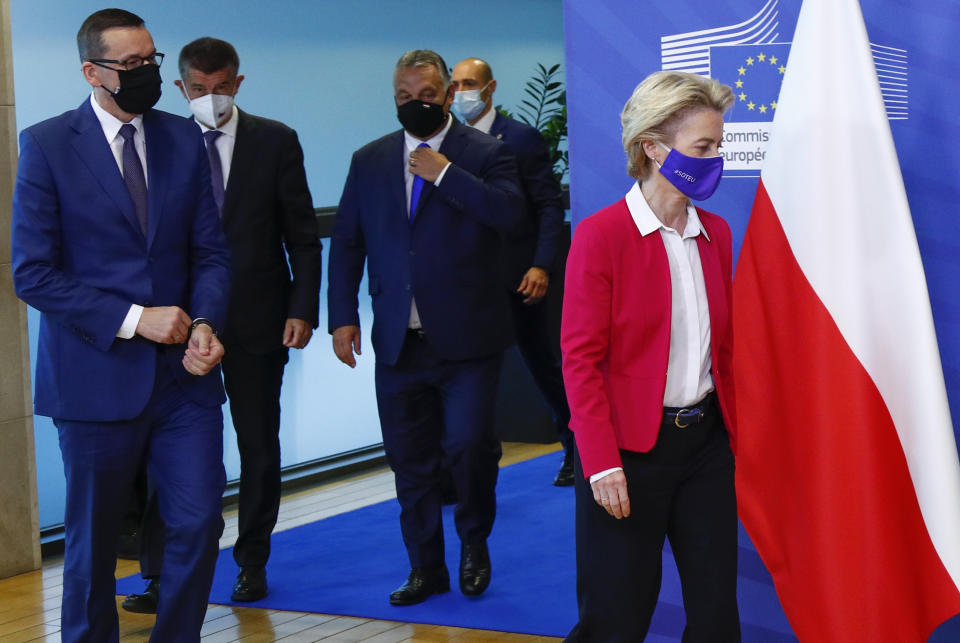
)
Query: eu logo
[{"x": 755, "y": 72}]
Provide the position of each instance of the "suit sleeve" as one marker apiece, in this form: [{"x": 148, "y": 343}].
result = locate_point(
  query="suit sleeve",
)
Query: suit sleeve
[
  {"x": 299, "y": 233},
  {"x": 209, "y": 255},
  {"x": 543, "y": 197},
  {"x": 347, "y": 254},
  {"x": 93, "y": 314},
  {"x": 494, "y": 198},
  {"x": 584, "y": 342}
]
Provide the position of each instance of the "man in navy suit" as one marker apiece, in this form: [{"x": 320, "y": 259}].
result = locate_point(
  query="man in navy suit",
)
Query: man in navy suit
[
  {"x": 116, "y": 241},
  {"x": 425, "y": 206},
  {"x": 531, "y": 251}
]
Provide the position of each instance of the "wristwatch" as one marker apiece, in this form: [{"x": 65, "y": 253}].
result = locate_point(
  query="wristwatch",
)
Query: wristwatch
[{"x": 203, "y": 320}]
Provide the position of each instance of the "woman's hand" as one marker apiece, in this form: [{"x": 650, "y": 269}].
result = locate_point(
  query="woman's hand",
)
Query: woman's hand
[{"x": 610, "y": 492}]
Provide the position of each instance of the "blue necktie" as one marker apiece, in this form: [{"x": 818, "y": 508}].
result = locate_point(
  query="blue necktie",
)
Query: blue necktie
[
  {"x": 216, "y": 168},
  {"x": 133, "y": 175},
  {"x": 418, "y": 184}
]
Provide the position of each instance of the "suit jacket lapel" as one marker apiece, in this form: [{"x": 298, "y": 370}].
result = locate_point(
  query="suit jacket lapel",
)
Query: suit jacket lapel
[
  {"x": 159, "y": 167},
  {"x": 91, "y": 146},
  {"x": 714, "y": 284},
  {"x": 496, "y": 129},
  {"x": 452, "y": 146},
  {"x": 243, "y": 162},
  {"x": 395, "y": 166}
]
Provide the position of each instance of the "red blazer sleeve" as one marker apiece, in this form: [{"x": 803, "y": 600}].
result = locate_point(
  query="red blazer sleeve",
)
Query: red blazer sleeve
[{"x": 584, "y": 342}]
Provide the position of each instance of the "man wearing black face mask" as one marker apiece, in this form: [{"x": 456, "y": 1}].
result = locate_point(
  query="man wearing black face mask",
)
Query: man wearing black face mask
[
  {"x": 430, "y": 237},
  {"x": 116, "y": 241}
]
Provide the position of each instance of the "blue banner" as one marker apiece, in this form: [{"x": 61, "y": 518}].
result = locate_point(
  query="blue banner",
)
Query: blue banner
[{"x": 611, "y": 45}]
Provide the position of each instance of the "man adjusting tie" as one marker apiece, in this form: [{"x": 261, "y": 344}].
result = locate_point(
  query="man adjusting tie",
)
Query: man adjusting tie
[{"x": 424, "y": 207}]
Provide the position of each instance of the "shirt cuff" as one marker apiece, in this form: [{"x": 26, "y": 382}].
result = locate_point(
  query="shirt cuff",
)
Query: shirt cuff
[
  {"x": 442, "y": 172},
  {"x": 604, "y": 474},
  {"x": 129, "y": 327}
]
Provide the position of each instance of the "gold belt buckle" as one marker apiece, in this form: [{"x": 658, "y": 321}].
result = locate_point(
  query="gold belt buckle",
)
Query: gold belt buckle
[{"x": 676, "y": 419}]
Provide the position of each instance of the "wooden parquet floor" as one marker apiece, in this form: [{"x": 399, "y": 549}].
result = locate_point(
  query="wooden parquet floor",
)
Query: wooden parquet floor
[{"x": 30, "y": 603}]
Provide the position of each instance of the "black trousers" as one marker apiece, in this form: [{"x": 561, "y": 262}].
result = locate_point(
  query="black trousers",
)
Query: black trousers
[
  {"x": 435, "y": 414},
  {"x": 253, "y": 386},
  {"x": 534, "y": 341},
  {"x": 682, "y": 489}
]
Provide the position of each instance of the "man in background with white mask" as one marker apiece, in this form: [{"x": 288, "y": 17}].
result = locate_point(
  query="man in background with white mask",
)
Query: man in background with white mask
[
  {"x": 531, "y": 251},
  {"x": 260, "y": 187}
]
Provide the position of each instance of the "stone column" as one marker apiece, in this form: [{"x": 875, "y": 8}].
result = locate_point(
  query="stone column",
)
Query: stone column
[{"x": 19, "y": 527}]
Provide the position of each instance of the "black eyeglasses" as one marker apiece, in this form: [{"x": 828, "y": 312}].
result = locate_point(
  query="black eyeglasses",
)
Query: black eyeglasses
[{"x": 156, "y": 58}]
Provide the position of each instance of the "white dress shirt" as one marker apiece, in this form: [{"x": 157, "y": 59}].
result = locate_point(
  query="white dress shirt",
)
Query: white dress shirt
[
  {"x": 413, "y": 143},
  {"x": 689, "y": 379},
  {"x": 111, "y": 130},
  {"x": 485, "y": 122},
  {"x": 225, "y": 143}
]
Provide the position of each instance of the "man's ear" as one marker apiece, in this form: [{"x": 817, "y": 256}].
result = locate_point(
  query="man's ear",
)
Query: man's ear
[
  {"x": 237, "y": 87},
  {"x": 183, "y": 90},
  {"x": 89, "y": 71}
]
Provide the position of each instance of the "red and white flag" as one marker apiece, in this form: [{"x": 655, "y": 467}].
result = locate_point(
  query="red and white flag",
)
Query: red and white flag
[{"x": 847, "y": 472}]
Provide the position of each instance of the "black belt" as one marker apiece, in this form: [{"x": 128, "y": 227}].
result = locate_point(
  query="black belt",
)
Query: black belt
[
  {"x": 416, "y": 333},
  {"x": 691, "y": 415}
]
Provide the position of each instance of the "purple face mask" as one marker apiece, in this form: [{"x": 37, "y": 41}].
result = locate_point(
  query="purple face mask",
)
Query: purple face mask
[{"x": 697, "y": 178}]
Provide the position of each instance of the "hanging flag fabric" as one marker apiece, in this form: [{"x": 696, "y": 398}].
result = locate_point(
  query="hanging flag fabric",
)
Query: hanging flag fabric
[{"x": 847, "y": 473}]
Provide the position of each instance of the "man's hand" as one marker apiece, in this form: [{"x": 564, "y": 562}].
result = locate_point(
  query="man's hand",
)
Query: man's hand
[
  {"x": 296, "y": 333},
  {"x": 346, "y": 342},
  {"x": 427, "y": 163},
  {"x": 534, "y": 285},
  {"x": 204, "y": 351},
  {"x": 610, "y": 492},
  {"x": 164, "y": 325}
]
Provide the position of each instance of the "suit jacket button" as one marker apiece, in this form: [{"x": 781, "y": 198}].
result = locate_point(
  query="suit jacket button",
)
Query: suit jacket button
[
  {"x": 413, "y": 253},
  {"x": 408, "y": 286}
]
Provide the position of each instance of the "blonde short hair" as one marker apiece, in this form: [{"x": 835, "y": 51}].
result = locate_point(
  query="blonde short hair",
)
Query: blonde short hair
[{"x": 657, "y": 105}]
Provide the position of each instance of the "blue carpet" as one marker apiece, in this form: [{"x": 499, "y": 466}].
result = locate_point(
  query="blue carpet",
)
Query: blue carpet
[{"x": 349, "y": 564}]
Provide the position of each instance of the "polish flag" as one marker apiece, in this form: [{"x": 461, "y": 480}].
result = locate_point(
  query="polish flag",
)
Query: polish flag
[{"x": 847, "y": 473}]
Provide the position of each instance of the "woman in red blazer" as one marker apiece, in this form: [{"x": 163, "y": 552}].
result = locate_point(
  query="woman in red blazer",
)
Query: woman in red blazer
[{"x": 646, "y": 363}]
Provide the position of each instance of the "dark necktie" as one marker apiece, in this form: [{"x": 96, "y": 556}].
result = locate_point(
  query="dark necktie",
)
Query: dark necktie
[
  {"x": 418, "y": 184},
  {"x": 216, "y": 168},
  {"x": 133, "y": 175}
]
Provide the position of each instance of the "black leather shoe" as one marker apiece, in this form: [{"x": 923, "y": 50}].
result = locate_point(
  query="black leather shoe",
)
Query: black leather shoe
[
  {"x": 474, "y": 568},
  {"x": 251, "y": 585},
  {"x": 420, "y": 585},
  {"x": 565, "y": 474},
  {"x": 145, "y": 603}
]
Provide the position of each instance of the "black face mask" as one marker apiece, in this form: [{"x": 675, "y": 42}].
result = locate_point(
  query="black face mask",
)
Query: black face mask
[
  {"x": 419, "y": 118},
  {"x": 139, "y": 89}
]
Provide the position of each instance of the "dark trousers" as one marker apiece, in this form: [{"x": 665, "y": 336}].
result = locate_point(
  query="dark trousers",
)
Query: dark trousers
[
  {"x": 253, "y": 386},
  {"x": 534, "y": 341},
  {"x": 434, "y": 413},
  {"x": 682, "y": 489},
  {"x": 183, "y": 446}
]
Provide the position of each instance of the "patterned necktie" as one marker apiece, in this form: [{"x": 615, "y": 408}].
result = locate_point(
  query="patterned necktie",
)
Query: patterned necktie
[
  {"x": 216, "y": 168},
  {"x": 418, "y": 183},
  {"x": 133, "y": 175}
]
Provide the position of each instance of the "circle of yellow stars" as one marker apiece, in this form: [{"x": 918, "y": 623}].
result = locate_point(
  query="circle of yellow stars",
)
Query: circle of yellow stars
[{"x": 742, "y": 71}]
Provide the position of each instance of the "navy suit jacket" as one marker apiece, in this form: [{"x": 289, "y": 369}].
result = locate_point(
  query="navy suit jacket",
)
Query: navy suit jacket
[
  {"x": 536, "y": 241},
  {"x": 80, "y": 258},
  {"x": 447, "y": 258}
]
